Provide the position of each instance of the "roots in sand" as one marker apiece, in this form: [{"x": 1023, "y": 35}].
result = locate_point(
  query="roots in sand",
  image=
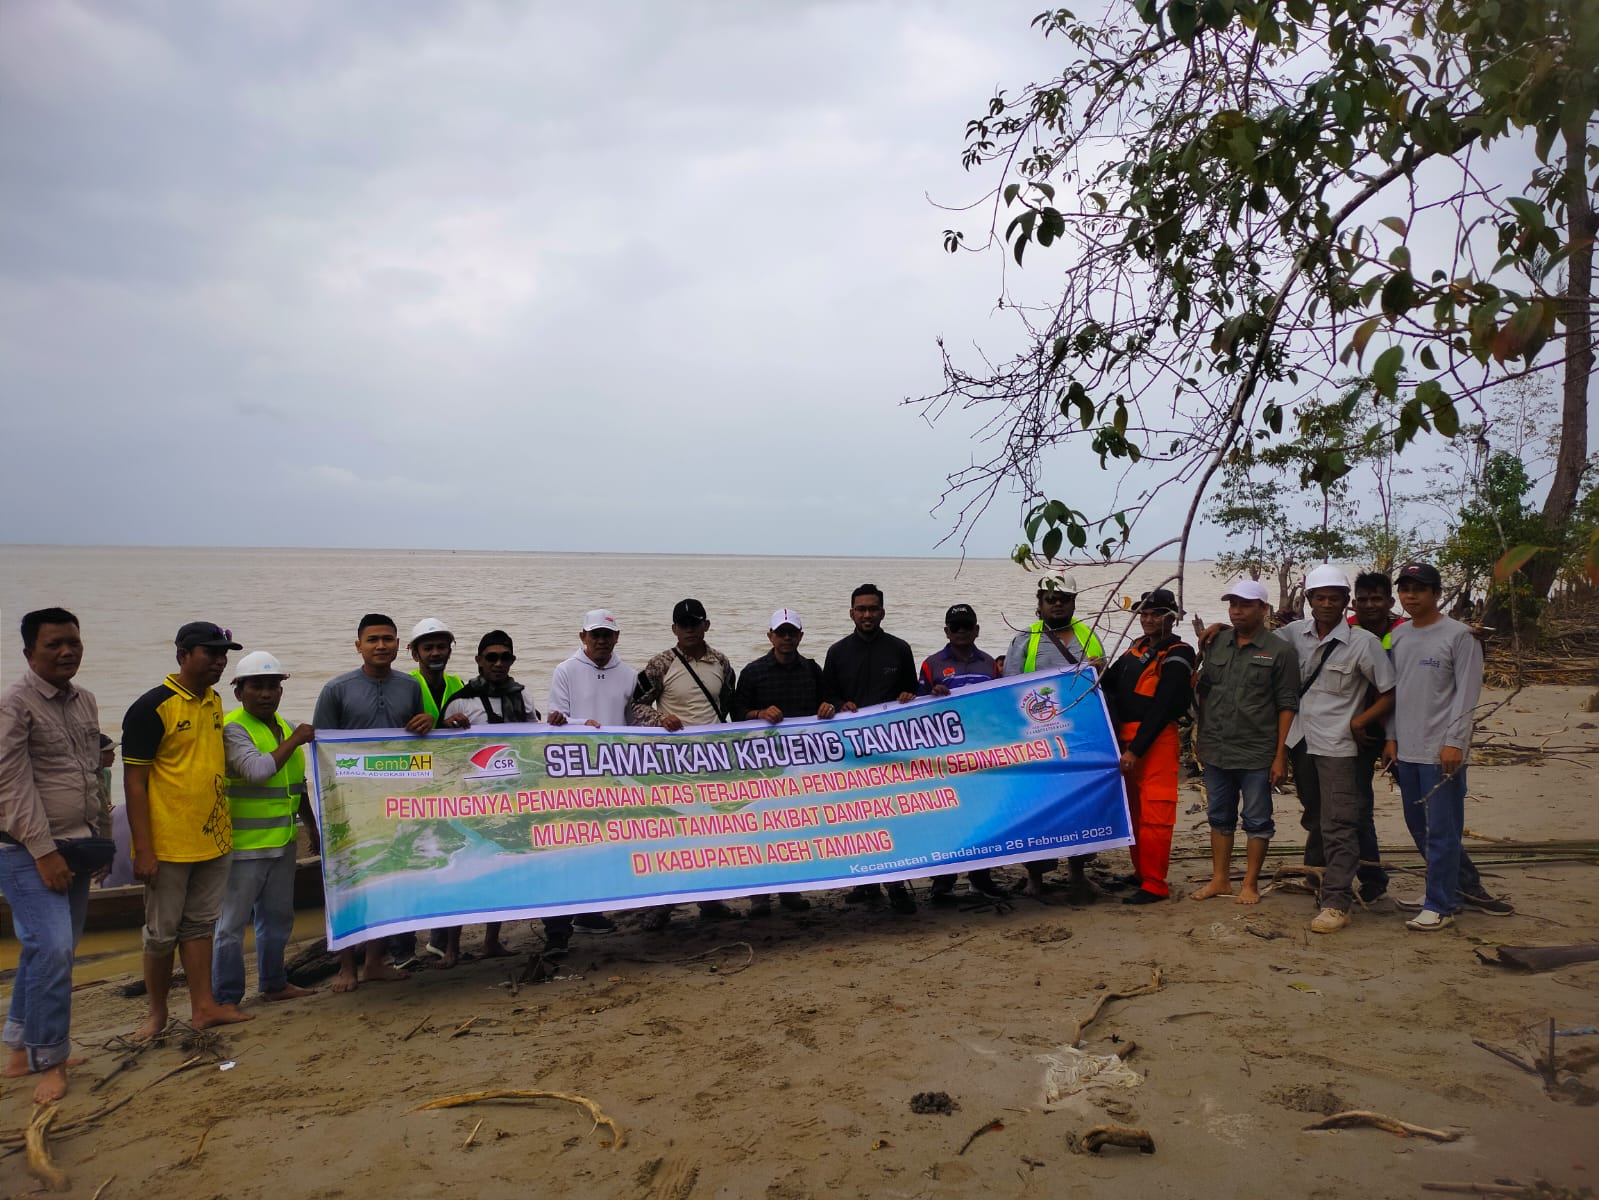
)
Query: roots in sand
[{"x": 39, "y": 1164}]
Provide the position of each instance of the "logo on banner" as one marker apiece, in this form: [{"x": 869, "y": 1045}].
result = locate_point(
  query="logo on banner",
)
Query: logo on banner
[
  {"x": 492, "y": 762},
  {"x": 385, "y": 766},
  {"x": 1040, "y": 705}
]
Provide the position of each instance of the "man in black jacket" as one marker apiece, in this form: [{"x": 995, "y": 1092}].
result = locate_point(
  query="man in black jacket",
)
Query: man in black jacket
[{"x": 869, "y": 667}]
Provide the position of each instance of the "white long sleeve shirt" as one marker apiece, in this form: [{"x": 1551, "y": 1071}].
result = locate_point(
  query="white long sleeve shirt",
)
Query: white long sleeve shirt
[{"x": 585, "y": 691}]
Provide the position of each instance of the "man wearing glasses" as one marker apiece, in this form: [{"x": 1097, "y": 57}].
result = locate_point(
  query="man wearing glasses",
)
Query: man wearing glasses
[
  {"x": 1056, "y": 639},
  {"x": 175, "y": 777}
]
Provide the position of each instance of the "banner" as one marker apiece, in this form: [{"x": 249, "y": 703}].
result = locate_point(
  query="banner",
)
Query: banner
[{"x": 506, "y": 821}]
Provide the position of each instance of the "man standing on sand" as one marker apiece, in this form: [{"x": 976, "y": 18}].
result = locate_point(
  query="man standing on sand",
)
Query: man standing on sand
[
  {"x": 782, "y": 683},
  {"x": 266, "y": 787},
  {"x": 1056, "y": 639},
  {"x": 49, "y": 752},
  {"x": 1147, "y": 689},
  {"x": 1339, "y": 667},
  {"x": 1373, "y": 611},
  {"x": 1438, "y": 665},
  {"x": 689, "y": 684},
  {"x": 431, "y": 644},
  {"x": 174, "y": 774},
  {"x": 1248, "y": 693},
  {"x": 959, "y": 664},
  {"x": 374, "y": 696}
]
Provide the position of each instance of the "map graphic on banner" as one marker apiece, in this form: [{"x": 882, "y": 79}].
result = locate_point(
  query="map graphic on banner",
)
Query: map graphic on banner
[{"x": 506, "y": 821}]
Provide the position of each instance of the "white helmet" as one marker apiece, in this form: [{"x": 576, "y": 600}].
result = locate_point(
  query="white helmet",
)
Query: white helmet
[
  {"x": 428, "y": 626},
  {"x": 258, "y": 663},
  {"x": 1326, "y": 576}
]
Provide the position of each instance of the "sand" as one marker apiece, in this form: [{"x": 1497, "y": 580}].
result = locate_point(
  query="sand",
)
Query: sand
[{"x": 792, "y": 1076}]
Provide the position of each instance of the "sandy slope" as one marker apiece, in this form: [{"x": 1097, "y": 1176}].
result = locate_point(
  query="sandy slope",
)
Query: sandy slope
[{"x": 792, "y": 1077}]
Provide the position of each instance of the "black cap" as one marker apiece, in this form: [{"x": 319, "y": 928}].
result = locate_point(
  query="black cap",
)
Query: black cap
[
  {"x": 1159, "y": 600},
  {"x": 960, "y": 614},
  {"x": 495, "y": 637},
  {"x": 204, "y": 633},
  {"x": 1423, "y": 573},
  {"x": 688, "y": 612}
]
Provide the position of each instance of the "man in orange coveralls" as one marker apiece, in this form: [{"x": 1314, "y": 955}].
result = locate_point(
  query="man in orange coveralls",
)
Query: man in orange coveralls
[{"x": 1147, "y": 689}]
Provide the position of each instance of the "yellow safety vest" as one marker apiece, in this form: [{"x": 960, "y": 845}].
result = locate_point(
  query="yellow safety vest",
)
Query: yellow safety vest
[
  {"x": 452, "y": 684},
  {"x": 263, "y": 813},
  {"x": 1085, "y": 639}
]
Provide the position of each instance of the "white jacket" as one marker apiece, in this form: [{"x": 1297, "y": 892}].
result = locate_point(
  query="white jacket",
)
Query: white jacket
[{"x": 585, "y": 692}]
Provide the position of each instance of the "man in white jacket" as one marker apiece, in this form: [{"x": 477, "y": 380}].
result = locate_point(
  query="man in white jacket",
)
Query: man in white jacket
[{"x": 593, "y": 686}]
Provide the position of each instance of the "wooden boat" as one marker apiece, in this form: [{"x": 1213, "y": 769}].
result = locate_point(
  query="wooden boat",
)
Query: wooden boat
[{"x": 123, "y": 907}]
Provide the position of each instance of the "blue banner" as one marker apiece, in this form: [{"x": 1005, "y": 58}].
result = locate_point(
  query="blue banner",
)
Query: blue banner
[{"x": 501, "y": 822}]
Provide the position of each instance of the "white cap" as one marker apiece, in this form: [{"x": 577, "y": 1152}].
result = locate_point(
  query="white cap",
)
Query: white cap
[
  {"x": 1326, "y": 576},
  {"x": 428, "y": 626},
  {"x": 1247, "y": 589},
  {"x": 1063, "y": 583},
  {"x": 600, "y": 618},
  {"x": 786, "y": 616},
  {"x": 258, "y": 663}
]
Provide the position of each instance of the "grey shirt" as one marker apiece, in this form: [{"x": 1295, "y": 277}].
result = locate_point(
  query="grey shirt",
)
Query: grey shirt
[
  {"x": 1355, "y": 663},
  {"x": 355, "y": 700},
  {"x": 1439, "y": 671}
]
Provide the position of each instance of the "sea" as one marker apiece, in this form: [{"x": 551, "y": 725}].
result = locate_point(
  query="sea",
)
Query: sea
[{"x": 303, "y": 605}]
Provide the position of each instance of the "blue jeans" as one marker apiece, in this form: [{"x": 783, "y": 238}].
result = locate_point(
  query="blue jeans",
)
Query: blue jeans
[
  {"x": 1435, "y": 814},
  {"x": 48, "y": 926},
  {"x": 262, "y": 889},
  {"x": 1225, "y": 787}
]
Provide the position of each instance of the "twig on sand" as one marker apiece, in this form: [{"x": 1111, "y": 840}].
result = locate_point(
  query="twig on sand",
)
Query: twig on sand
[
  {"x": 199, "y": 1147},
  {"x": 1513, "y": 1059},
  {"x": 749, "y": 952},
  {"x": 1105, "y": 998},
  {"x": 464, "y": 1026},
  {"x": 582, "y": 1102},
  {"x": 79, "y": 1124},
  {"x": 1478, "y": 1189},
  {"x": 102, "y": 1187},
  {"x": 943, "y": 949},
  {"x": 993, "y": 1126},
  {"x": 1111, "y": 1135},
  {"x": 39, "y": 1164},
  {"x": 467, "y": 1145},
  {"x": 1377, "y": 1120},
  {"x": 417, "y": 1028}
]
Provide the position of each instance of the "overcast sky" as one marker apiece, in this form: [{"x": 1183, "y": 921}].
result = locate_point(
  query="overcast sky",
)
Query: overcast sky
[{"x": 648, "y": 276}]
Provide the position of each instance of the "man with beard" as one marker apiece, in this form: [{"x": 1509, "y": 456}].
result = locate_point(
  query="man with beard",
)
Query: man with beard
[{"x": 175, "y": 777}]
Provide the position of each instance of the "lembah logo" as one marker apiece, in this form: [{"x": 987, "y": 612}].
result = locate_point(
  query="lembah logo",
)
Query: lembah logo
[
  {"x": 385, "y": 766},
  {"x": 494, "y": 761},
  {"x": 1040, "y": 705}
]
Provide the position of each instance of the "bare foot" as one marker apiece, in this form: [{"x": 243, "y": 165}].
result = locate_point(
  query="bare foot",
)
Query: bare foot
[
  {"x": 495, "y": 949},
  {"x": 383, "y": 973},
  {"x": 346, "y": 980},
  {"x": 16, "y": 1064},
  {"x": 218, "y": 1014},
  {"x": 1216, "y": 887},
  {"x": 451, "y": 957},
  {"x": 154, "y": 1025},
  {"x": 52, "y": 1084},
  {"x": 1248, "y": 895},
  {"x": 287, "y": 992}
]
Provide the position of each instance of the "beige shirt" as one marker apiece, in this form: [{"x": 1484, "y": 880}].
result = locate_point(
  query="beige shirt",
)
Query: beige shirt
[{"x": 49, "y": 765}]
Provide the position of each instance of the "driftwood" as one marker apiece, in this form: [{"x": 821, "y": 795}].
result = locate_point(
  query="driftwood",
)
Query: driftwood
[
  {"x": 1105, "y": 998},
  {"x": 39, "y": 1164},
  {"x": 1478, "y": 1189},
  {"x": 1111, "y": 1135},
  {"x": 582, "y": 1102},
  {"x": 1539, "y": 958},
  {"x": 79, "y": 1124},
  {"x": 1359, "y": 1116},
  {"x": 993, "y": 1126}
]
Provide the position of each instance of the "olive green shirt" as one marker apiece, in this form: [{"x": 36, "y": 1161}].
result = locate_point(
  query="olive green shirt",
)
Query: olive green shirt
[{"x": 1241, "y": 690}]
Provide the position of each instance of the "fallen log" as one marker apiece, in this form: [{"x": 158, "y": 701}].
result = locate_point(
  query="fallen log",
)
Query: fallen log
[{"x": 1539, "y": 958}]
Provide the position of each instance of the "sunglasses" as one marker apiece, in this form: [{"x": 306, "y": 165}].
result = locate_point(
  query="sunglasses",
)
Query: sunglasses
[
  {"x": 955, "y": 626},
  {"x": 493, "y": 659},
  {"x": 602, "y": 633}
]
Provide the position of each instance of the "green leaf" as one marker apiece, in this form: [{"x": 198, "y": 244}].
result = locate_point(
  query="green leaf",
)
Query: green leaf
[
  {"x": 1398, "y": 294},
  {"x": 1530, "y": 214},
  {"x": 1385, "y": 371},
  {"x": 1362, "y": 335},
  {"x": 1051, "y": 543},
  {"x": 1428, "y": 358},
  {"x": 1396, "y": 225},
  {"x": 1513, "y": 560}
]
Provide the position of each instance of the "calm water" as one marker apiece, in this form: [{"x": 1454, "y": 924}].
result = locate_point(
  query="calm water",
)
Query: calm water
[{"x": 303, "y": 605}]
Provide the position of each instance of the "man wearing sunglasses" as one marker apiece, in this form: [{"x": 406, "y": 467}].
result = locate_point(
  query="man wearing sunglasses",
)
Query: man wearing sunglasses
[{"x": 1056, "y": 639}]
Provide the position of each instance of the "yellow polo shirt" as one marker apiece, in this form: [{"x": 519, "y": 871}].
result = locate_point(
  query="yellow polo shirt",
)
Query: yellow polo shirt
[{"x": 178, "y": 735}]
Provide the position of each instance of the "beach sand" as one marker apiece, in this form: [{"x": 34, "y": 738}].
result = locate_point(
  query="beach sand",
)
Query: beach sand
[{"x": 792, "y": 1076}]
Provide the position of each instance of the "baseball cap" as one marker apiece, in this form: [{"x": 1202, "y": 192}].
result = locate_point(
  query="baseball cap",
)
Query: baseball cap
[
  {"x": 427, "y": 627},
  {"x": 1247, "y": 589},
  {"x": 1063, "y": 583},
  {"x": 688, "y": 612},
  {"x": 204, "y": 633},
  {"x": 1160, "y": 600},
  {"x": 494, "y": 637},
  {"x": 600, "y": 618},
  {"x": 786, "y": 616},
  {"x": 960, "y": 614},
  {"x": 1423, "y": 573}
]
